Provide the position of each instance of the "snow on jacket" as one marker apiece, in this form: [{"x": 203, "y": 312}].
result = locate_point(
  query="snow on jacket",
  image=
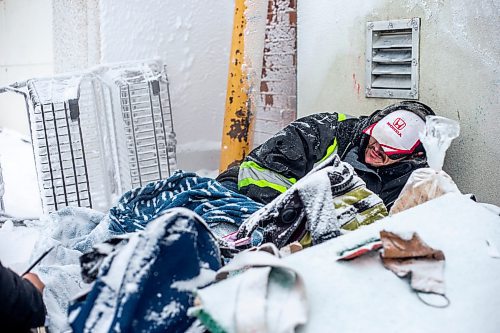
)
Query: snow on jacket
[
  {"x": 319, "y": 207},
  {"x": 22, "y": 305},
  {"x": 278, "y": 163}
]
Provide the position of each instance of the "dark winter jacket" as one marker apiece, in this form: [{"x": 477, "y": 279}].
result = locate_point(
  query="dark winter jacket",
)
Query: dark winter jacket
[
  {"x": 21, "y": 304},
  {"x": 277, "y": 164}
]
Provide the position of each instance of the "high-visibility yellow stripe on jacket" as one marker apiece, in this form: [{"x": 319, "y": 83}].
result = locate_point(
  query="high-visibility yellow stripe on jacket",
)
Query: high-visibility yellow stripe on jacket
[{"x": 252, "y": 173}]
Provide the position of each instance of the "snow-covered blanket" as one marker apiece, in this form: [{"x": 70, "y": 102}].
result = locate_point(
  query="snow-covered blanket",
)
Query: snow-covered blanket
[
  {"x": 75, "y": 230},
  {"x": 222, "y": 209},
  {"x": 72, "y": 231},
  {"x": 326, "y": 202},
  {"x": 147, "y": 285}
]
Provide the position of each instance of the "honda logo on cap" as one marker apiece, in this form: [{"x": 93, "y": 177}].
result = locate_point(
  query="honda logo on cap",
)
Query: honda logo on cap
[{"x": 399, "y": 124}]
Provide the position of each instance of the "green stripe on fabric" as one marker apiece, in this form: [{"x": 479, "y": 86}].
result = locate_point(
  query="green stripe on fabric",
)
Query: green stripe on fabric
[
  {"x": 373, "y": 214},
  {"x": 368, "y": 216},
  {"x": 352, "y": 197},
  {"x": 209, "y": 322},
  {"x": 306, "y": 241},
  {"x": 261, "y": 183},
  {"x": 341, "y": 117},
  {"x": 351, "y": 225}
]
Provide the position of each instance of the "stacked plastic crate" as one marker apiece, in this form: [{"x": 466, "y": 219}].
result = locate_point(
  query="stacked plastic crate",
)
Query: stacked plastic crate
[{"x": 100, "y": 133}]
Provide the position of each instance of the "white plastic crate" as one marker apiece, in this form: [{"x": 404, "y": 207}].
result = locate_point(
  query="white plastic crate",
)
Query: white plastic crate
[{"x": 100, "y": 133}]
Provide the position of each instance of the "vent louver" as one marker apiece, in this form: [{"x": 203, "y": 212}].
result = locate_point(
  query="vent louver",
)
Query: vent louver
[{"x": 392, "y": 59}]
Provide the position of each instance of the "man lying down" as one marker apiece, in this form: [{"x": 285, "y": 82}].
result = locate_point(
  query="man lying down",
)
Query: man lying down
[{"x": 321, "y": 176}]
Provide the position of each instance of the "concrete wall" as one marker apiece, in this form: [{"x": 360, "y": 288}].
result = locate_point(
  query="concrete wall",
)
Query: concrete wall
[
  {"x": 76, "y": 37},
  {"x": 25, "y": 51},
  {"x": 459, "y": 73},
  {"x": 193, "y": 39}
]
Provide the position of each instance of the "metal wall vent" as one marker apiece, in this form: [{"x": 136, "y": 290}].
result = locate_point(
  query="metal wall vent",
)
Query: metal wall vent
[{"x": 392, "y": 58}]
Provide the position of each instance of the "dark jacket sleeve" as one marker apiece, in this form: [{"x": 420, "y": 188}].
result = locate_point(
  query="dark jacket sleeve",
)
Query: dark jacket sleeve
[
  {"x": 21, "y": 303},
  {"x": 229, "y": 178},
  {"x": 294, "y": 150},
  {"x": 287, "y": 156}
]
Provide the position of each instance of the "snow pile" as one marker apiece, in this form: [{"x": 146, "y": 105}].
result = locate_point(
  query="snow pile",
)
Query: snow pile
[
  {"x": 360, "y": 295},
  {"x": 16, "y": 245}
]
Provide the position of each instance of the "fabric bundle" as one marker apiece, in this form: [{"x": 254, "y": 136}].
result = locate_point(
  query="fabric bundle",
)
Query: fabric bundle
[
  {"x": 329, "y": 199},
  {"x": 147, "y": 285},
  {"x": 76, "y": 231},
  {"x": 263, "y": 294}
]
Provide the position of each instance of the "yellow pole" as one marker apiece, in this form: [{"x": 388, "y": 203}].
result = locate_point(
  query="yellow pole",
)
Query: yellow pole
[{"x": 238, "y": 127}]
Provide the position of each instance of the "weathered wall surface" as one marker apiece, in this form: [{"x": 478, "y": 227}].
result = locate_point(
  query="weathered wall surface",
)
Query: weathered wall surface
[
  {"x": 276, "y": 100},
  {"x": 193, "y": 38},
  {"x": 459, "y": 63},
  {"x": 459, "y": 73},
  {"x": 76, "y": 36}
]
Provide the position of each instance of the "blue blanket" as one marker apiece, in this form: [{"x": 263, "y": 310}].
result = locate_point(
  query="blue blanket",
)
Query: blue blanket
[
  {"x": 222, "y": 209},
  {"x": 147, "y": 285},
  {"x": 76, "y": 230}
]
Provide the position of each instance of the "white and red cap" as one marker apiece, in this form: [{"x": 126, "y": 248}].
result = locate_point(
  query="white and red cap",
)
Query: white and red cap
[{"x": 398, "y": 132}]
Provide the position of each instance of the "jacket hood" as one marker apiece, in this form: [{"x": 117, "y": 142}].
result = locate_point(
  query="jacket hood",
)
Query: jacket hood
[{"x": 417, "y": 108}]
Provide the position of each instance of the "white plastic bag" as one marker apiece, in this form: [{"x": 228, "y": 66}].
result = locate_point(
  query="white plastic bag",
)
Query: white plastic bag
[{"x": 428, "y": 183}]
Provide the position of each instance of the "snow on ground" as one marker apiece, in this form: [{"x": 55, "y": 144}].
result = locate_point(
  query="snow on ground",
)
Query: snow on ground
[
  {"x": 21, "y": 196},
  {"x": 21, "y": 199},
  {"x": 16, "y": 245},
  {"x": 362, "y": 296}
]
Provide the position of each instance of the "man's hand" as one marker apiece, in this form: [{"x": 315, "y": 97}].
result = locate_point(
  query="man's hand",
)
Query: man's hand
[{"x": 35, "y": 280}]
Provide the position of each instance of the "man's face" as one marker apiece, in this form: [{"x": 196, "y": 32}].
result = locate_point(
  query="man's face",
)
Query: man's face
[{"x": 375, "y": 155}]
